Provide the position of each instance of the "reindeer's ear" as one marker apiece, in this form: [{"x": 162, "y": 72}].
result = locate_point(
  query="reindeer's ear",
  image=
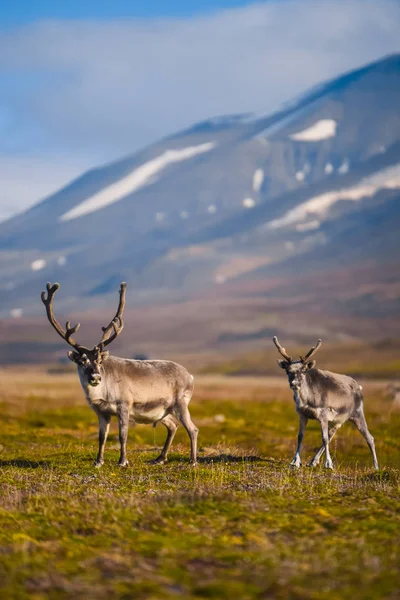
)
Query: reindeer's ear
[
  {"x": 74, "y": 356},
  {"x": 283, "y": 364},
  {"x": 311, "y": 364},
  {"x": 105, "y": 355}
]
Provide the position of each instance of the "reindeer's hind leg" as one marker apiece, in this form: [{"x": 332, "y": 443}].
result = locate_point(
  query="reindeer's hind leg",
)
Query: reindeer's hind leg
[
  {"x": 171, "y": 426},
  {"x": 123, "y": 426},
  {"x": 183, "y": 414},
  {"x": 325, "y": 441},
  {"x": 361, "y": 424},
  {"x": 317, "y": 457}
]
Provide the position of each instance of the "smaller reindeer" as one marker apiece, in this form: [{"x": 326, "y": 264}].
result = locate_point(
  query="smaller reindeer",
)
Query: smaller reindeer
[
  {"x": 139, "y": 391},
  {"x": 326, "y": 397}
]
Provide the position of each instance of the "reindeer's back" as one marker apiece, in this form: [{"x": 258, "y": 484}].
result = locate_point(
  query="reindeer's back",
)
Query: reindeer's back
[
  {"x": 158, "y": 377},
  {"x": 332, "y": 387}
]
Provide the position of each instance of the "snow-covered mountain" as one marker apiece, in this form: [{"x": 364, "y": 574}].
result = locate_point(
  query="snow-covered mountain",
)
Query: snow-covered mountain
[{"x": 230, "y": 200}]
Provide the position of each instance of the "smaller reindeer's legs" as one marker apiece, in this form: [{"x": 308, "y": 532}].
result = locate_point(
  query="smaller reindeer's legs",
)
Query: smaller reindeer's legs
[
  {"x": 171, "y": 426},
  {"x": 315, "y": 460},
  {"x": 325, "y": 441},
  {"x": 123, "y": 426},
  {"x": 296, "y": 462},
  {"x": 184, "y": 417},
  {"x": 104, "y": 427},
  {"x": 361, "y": 424}
]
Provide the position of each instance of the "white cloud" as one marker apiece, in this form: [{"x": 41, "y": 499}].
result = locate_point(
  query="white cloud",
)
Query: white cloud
[{"x": 104, "y": 89}]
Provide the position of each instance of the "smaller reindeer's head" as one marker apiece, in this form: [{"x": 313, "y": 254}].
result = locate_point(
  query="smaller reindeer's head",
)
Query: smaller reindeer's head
[
  {"x": 89, "y": 361},
  {"x": 296, "y": 369}
]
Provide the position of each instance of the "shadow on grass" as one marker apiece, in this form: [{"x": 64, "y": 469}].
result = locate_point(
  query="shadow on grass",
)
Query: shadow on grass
[
  {"x": 219, "y": 458},
  {"x": 383, "y": 475},
  {"x": 184, "y": 459},
  {"x": 203, "y": 460},
  {"x": 22, "y": 463},
  {"x": 229, "y": 458}
]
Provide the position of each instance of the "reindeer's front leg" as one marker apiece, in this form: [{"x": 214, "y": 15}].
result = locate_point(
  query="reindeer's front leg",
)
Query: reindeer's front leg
[
  {"x": 123, "y": 425},
  {"x": 104, "y": 427},
  {"x": 296, "y": 462},
  {"x": 325, "y": 441}
]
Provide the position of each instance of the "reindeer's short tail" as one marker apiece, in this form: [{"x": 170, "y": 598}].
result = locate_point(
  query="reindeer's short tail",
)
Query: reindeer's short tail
[{"x": 359, "y": 399}]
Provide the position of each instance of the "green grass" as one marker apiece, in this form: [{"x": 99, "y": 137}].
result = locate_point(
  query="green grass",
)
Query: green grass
[{"x": 242, "y": 524}]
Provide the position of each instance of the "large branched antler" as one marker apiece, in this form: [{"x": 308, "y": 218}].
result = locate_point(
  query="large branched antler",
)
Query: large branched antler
[
  {"x": 281, "y": 349},
  {"x": 69, "y": 331},
  {"x": 116, "y": 325},
  {"x": 311, "y": 352}
]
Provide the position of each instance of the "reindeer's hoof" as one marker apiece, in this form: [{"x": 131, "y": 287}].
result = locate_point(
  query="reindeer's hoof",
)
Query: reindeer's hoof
[
  {"x": 98, "y": 463},
  {"x": 313, "y": 463},
  {"x": 329, "y": 465},
  {"x": 296, "y": 463},
  {"x": 160, "y": 460},
  {"x": 193, "y": 463},
  {"x": 123, "y": 463}
]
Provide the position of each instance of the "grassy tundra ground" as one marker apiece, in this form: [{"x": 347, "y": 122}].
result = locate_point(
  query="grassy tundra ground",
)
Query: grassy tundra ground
[{"x": 242, "y": 524}]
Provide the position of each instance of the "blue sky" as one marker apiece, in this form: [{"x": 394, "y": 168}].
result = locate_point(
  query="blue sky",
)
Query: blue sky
[
  {"x": 84, "y": 83},
  {"x": 24, "y": 11}
]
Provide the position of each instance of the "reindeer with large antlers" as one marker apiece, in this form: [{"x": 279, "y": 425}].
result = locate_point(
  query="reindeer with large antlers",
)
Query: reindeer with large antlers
[
  {"x": 326, "y": 397},
  {"x": 142, "y": 391}
]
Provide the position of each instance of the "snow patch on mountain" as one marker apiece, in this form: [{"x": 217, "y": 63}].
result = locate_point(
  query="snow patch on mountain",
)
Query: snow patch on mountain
[
  {"x": 344, "y": 167},
  {"x": 249, "y": 203},
  {"x": 308, "y": 226},
  {"x": 321, "y": 130},
  {"x": 38, "y": 264},
  {"x": 284, "y": 122},
  {"x": 388, "y": 178},
  {"x": 258, "y": 179},
  {"x": 139, "y": 178}
]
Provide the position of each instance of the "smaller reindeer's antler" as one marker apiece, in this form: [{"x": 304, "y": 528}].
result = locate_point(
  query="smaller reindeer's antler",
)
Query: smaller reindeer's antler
[
  {"x": 311, "y": 352},
  {"x": 281, "y": 349},
  {"x": 69, "y": 331},
  {"x": 116, "y": 325}
]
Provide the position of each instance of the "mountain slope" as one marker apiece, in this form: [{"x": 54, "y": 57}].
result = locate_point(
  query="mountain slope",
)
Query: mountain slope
[{"x": 229, "y": 199}]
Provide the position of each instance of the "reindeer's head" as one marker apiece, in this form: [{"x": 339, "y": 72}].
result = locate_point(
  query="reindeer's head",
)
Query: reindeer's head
[
  {"x": 296, "y": 369},
  {"x": 89, "y": 361}
]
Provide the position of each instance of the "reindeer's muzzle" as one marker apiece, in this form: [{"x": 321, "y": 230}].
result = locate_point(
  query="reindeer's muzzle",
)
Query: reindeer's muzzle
[{"x": 94, "y": 379}]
